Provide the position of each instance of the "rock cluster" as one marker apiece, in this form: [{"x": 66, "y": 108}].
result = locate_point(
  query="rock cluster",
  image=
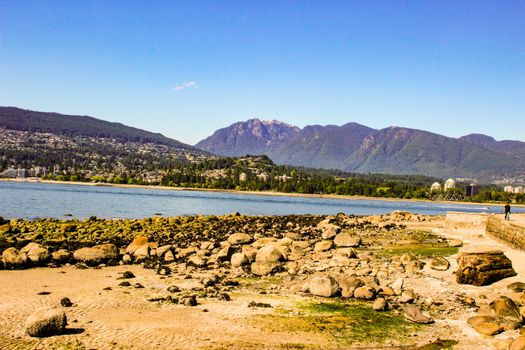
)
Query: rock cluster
[{"x": 323, "y": 256}]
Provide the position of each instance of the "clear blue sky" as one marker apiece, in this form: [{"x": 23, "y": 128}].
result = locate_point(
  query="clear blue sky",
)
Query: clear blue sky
[{"x": 187, "y": 68}]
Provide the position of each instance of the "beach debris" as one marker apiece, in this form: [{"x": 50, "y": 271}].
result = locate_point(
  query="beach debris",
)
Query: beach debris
[{"x": 66, "y": 302}]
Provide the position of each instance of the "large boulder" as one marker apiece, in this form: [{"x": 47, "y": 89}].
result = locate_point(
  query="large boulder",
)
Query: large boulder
[
  {"x": 238, "y": 259},
  {"x": 46, "y": 322},
  {"x": 324, "y": 286},
  {"x": 330, "y": 231},
  {"x": 269, "y": 253},
  {"x": 438, "y": 263},
  {"x": 486, "y": 325},
  {"x": 347, "y": 239},
  {"x": 36, "y": 253},
  {"x": 12, "y": 258},
  {"x": 506, "y": 309},
  {"x": 323, "y": 246},
  {"x": 137, "y": 242},
  {"x": 483, "y": 267},
  {"x": 225, "y": 253},
  {"x": 263, "y": 268},
  {"x": 163, "y": 250},
  {"x": 365, "y": 293},
  {"x": 96, "y": 255},
  {"x": 60, "y": 256},
  {"x": 349, "y": 284},
  {"x": 239, "y": 238}
]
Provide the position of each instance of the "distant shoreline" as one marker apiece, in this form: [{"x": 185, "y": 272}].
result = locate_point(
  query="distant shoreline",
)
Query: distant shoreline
[{"x": 262, "y": 193}]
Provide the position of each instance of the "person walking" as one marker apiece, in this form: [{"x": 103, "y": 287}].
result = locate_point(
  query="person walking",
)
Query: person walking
[{"x": 507, "y": 211}]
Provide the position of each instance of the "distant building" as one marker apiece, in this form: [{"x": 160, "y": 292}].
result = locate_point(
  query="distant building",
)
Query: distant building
[
  {"x": 242, "y": 177},
  {"x": 436, "y": 187},
  {"x": 56, "y": 169},
  {"x": 472, "y": 190},
  {"x": 263, "y": 177},
  {"x": 508, "y": 189},
  {"x": 21, "y": 173},
  {"x": 450, "y": 184},
  {"x": 518, "y": 189},
  {"x": 283, "y": 178}
]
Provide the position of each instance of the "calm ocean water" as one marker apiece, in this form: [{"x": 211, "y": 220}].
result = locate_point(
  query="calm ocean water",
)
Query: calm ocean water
[{"x": 42, "y": 200}]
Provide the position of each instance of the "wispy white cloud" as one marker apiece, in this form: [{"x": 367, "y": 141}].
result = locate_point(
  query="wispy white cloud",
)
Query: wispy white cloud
[{"x": 185, "y": 85}]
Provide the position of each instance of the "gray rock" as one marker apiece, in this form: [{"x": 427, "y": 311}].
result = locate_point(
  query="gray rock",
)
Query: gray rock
[
  {"x": 346, "y": 239},
  {"x": 12, "y": 258},
  {"x": 323, "y": 286},
  {"x": 46, "y": 322}
]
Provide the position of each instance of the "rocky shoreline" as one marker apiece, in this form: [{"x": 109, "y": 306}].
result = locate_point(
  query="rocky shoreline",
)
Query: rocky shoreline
[{"x": 376, "y": 262}]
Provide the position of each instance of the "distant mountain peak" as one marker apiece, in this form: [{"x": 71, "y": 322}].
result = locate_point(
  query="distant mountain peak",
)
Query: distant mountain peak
[{"x": 254, "y": 136}]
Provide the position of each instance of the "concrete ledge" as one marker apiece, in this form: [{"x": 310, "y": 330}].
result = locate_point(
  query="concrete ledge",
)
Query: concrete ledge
[
  {"x": 512, "y": 234},
  {"x": 461, "y": 220}
]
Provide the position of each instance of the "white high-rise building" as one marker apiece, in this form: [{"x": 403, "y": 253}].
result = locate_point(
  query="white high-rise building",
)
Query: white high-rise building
[{"x": 450, "y": 184}]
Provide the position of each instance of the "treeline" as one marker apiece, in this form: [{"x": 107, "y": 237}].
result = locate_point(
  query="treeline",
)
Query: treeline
[{"x": 260, "y": 174}]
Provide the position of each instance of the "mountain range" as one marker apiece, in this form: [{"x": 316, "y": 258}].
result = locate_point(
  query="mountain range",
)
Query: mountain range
[
  {"x": 357, "y": 148},
  {"x": 350, "y": 147},
  {"x": 76, "y": 125}
]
